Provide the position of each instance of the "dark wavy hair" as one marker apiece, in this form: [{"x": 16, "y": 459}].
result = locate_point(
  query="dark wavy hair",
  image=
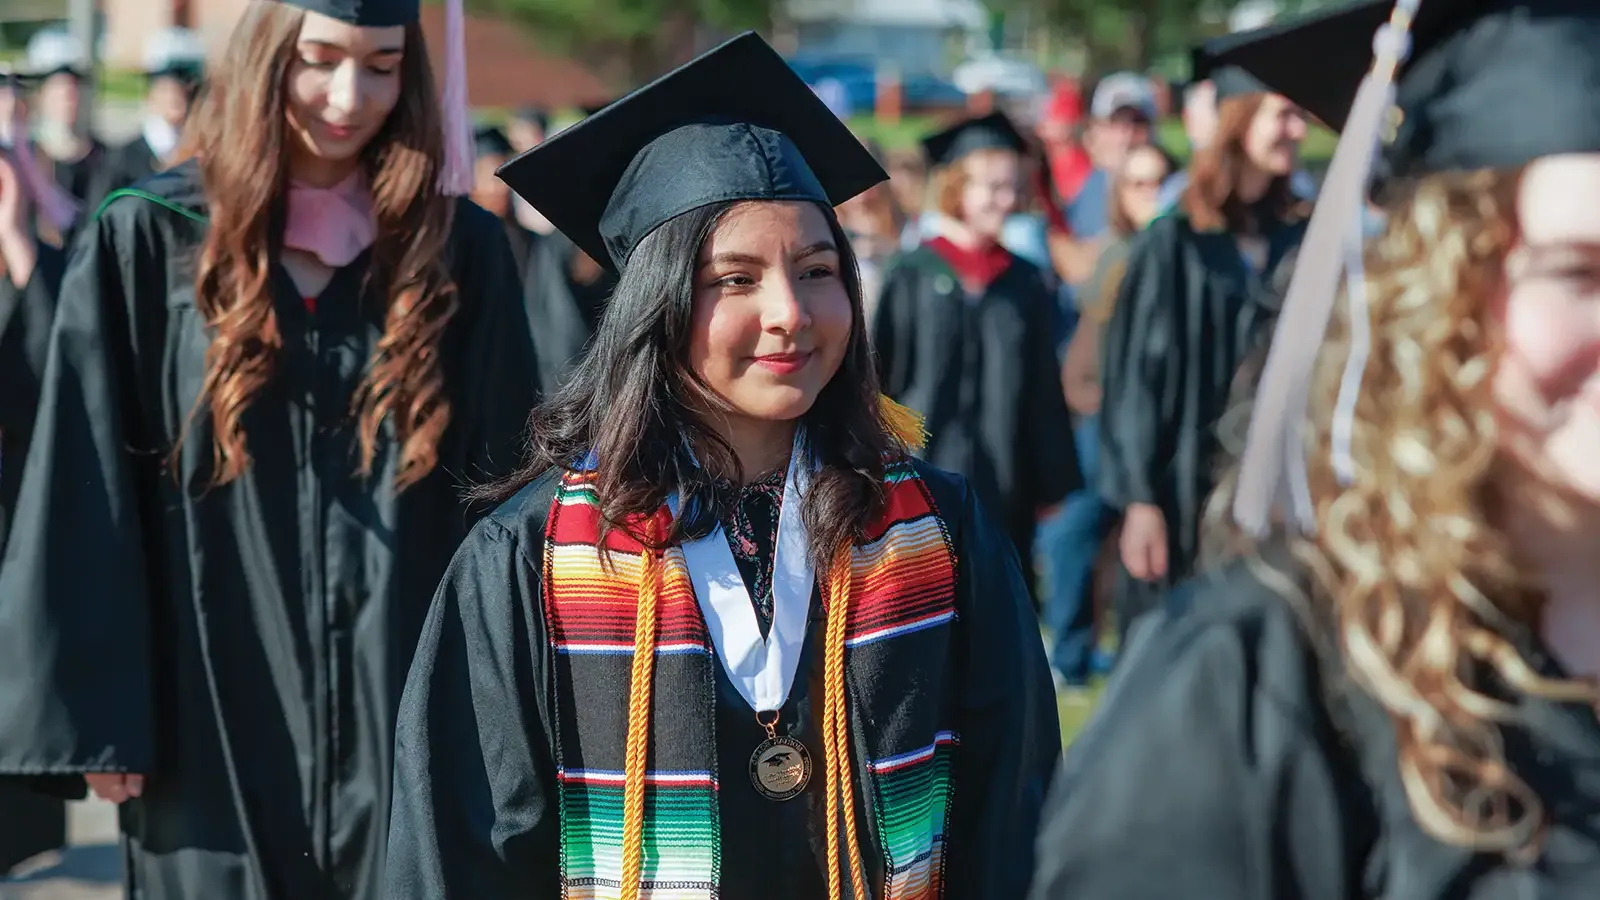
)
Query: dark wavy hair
[{"x": 632, "y": 398}]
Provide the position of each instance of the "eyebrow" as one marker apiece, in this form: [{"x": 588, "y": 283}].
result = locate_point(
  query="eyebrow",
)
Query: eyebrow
[
  {"x": 748, "y": 259},
  {"x": 818, "y": 247},
  {"x": 330, "y": 45}
]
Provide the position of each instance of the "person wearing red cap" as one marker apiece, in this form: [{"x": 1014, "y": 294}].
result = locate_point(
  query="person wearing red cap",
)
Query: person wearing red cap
[{"x": 272, "y": 369}]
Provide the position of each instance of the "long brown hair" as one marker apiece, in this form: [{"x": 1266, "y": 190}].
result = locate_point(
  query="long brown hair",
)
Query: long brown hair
[
  {"x": 1212, "y": 198},
  {"x": 241, "y": 152}
]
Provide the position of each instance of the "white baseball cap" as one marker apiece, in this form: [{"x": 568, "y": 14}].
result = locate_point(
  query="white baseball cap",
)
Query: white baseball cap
[{"x": 1123, "y": 90}]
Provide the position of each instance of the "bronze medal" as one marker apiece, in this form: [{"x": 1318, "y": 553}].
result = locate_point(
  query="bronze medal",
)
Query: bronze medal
[{"x": 781, "y": 766}]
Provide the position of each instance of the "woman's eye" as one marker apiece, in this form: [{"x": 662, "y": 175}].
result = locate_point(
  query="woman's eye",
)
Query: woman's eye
[
  {"x": 729, "y": 281},
  {"x": 310, "y": 63},
  {"x": 818, "y": 272},
  {"x": 382, "y": 70}
]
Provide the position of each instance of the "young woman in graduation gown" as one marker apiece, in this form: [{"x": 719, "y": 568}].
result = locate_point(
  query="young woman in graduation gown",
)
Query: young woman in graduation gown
[
  {"x": 726, "y": 638},
  {"x": 30, "y": 274},
  {"x": 245, "y": 479},
  {"x": 966, "y": 332},
  {"x": 1402, "y": 704},
  {"x": 1194, "y": 302}
]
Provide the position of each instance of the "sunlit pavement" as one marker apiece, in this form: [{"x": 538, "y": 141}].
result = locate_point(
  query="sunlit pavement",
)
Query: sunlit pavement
[{"x": 90, "y": 868}]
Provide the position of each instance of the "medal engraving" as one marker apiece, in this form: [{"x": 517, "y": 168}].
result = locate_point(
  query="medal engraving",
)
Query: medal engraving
[{"x": 780, "y": 768}]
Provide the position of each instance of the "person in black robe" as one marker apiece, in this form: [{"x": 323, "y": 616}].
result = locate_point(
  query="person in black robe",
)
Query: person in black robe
[
  {"x": 1195, "y": 301},
  {"x": 58, "y": 65},
  {"x": 564, "y": 290},
  {"x": 173, "y": 67},
  {"x": 211, "y": 622},
  {"x": 30, "y": 275},
  {"x": 493, "y": 150},
  {"x": 528, "y": 722},
  {"x": 567, "y": 292},
  {"x": 965, "y": 334},
  {"x": 1402, "y": 703}
]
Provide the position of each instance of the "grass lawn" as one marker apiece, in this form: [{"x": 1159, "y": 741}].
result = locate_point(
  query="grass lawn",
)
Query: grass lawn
[{"x": 1075, "y": 707}]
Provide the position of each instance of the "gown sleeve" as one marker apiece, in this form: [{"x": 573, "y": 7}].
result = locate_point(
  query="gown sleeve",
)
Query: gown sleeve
[
  {"x": 505, "y": 378},
  {"x": 1140, "y": 365},
  {"x": 75, "y": 662},
  {"x": 890, "y": 338},
  {"x": 1010, "y": 733},
  {"x": 474, "y": 811},
  {"x": 1052, "y": 455},
  {"x": 1211, "y": 769},
  {"x": 25, "y": 316}
]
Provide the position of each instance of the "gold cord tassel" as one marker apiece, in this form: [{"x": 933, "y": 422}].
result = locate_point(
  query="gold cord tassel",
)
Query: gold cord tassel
[
  {"x": 640, "y": 684},
  {"x": 836, "y": 735},
  {"x": 908, "y": 426}
]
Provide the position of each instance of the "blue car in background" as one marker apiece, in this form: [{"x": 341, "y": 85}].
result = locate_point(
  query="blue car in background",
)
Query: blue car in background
[{"x": 859, "y": 78}]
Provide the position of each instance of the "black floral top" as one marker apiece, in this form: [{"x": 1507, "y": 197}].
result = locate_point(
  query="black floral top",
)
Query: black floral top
[{"x": 750, "y": 520}]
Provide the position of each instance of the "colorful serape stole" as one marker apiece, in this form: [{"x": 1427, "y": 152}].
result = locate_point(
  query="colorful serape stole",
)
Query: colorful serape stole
[{"x": 902, "y": 614}]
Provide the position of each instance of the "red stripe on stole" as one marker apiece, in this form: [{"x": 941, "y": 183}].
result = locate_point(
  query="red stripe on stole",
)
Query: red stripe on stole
[
  {"x": 600, "y": 605},
  {"x": 906, "y": 585}
]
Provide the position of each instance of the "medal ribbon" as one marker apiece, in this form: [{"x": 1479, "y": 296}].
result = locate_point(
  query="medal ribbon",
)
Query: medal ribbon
[{"x": 762, "y": 670}]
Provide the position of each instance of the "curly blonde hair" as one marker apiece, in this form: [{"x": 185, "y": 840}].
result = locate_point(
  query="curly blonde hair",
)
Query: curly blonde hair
[{"x": 1412, "y": 577}]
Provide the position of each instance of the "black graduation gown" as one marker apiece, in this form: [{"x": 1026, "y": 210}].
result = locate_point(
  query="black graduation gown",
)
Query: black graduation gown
[
  {"x": 476, "y": 810},
  {"x": 25, "y": 317},
  {"x": 562, "y": 311},
  {"x": 1188, "y": 313},
  {"x": 78, "y": 177},
  {"x": 30, "y": 823},
  {"x": 1233, "y": 758},
  {"x": 124, "y": 165},
  {"x": 243, "y": 647},
  {"x": 983, "y": 371}
]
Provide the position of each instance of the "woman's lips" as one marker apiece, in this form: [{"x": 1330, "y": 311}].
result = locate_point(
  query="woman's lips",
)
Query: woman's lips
[
  {"x": 784, "y": 363},
  {"x": 338, "y": 132}
]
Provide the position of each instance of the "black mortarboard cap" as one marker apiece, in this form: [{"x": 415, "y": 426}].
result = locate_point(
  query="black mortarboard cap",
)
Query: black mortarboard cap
[
  {"x": 1228, "y": 81},
  {"x": 366, "y": 13},
  {"x": 1489, "y": 83},
  {"x": 991, "y": 132},
  {"x": 491, "y": 141},
  {"x": 175, "y": 53},
  {"x": 734, "y": 124},
  {"x": 16, "y": 81}
]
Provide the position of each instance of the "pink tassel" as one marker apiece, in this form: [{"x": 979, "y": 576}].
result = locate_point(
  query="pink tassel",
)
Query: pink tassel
[
  {"x": 456, "y": 178},
  {"x": 58, "y": 207}
]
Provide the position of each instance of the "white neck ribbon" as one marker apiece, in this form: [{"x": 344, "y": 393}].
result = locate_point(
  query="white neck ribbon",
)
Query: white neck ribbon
[{"x": 763, "y": 671}]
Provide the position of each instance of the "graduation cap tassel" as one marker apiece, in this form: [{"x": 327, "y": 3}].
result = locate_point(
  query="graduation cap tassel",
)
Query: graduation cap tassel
[
  {"x": 1274, "y": 464},
  {"x": 57, "y": 207},
  {"x": 455, "y": 178}
]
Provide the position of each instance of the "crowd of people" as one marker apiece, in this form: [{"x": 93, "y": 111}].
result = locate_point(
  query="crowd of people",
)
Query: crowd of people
[{"x": 671, "y": 504}]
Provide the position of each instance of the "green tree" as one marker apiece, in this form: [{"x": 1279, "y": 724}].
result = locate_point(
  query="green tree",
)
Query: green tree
[
  {"x": 626, "y": 41},
  {"x": 1127, "y": 34}
]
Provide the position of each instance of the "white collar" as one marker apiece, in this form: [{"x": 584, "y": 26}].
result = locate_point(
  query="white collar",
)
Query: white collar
[
  {"x": 160, "y": 136},
  {"x": 763, "y": 671}
]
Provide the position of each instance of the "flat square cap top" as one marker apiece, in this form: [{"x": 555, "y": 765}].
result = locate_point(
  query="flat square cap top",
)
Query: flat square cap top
[
  {"x": 1488, "y": 83},
  {"x": 734, "y": 124},
  {"x": 366, "y": 13},
  {"x": 991, "y": 132}
]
